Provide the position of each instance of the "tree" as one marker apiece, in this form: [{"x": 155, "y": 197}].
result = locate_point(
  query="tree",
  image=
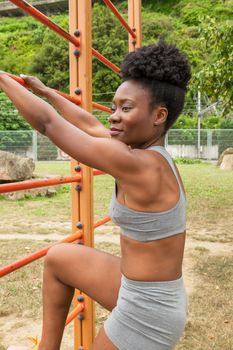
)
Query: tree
[
  {"x": 51, "y": 62},
  {"x": 110, "y": 39},
  {"x": 215, "y": 78}
]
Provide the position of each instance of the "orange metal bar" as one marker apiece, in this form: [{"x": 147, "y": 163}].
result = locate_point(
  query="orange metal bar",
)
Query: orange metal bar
[
  {"x": 101, "y": 107},
  {"x": 37, "y": 255},
  {"x": 73, "y": 99},
  {"x": 102, "y": 221},
  {"x": 75, "y": 196},
  {"x": 79, "y": 308},
  {"x": 98, "y": 172},
  {"x": 18, "y": 186},
  {"x": 134, "y": 20},
  {"x": 42, "y": 252},
  {"x": 18, "y": 79},
  {"x": 81, "y": 16},
  {"x": 119, "y": 16},
  {"x": 106, "y": 62},
  {"x": 25, "y": 6}
]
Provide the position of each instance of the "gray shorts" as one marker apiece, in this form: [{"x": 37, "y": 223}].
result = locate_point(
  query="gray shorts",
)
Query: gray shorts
[{"x": 148, "y": 315}]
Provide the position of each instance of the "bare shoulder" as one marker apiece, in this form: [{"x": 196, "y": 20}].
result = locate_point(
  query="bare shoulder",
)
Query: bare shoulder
[
  {"x": 144, "y": 185},
  {"x": 149, "y": 167},
  {"x": 150, "y": 160}
]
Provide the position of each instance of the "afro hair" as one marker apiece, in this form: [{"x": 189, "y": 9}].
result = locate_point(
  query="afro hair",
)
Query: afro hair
[
  {"x": 161, "y": 62},
  {"x": 164, "y": 71}
]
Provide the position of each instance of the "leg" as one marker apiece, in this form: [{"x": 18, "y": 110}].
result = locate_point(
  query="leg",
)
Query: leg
[
  {"x": 69, "y": 266},
  {"x": 102, "y": 342}
]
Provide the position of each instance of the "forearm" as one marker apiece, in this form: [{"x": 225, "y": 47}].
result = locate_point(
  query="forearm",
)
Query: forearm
[
  {"x": 36, "y": 111},
  {"x": 75, "y": 115}
]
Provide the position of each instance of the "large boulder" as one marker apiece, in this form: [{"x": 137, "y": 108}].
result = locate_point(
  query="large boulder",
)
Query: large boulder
[
  {"x": 225, "y": 160},
  {"x": 14, "y": 168}
]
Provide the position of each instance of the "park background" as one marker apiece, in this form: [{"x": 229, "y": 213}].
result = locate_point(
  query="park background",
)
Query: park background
[{"x": 203, "y": 30}]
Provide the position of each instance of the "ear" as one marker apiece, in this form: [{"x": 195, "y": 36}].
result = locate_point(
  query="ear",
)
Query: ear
[{"x": 160, "y": 115}]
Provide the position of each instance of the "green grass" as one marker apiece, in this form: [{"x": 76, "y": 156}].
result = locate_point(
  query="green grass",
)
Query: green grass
[
  {"x": 18, "y": 287},
  {"x": 210, "y": 324},
  {"x": 210, "y": 202},
  {"x": 209, "y": 194},
  {"x": 61, "y": 168}
]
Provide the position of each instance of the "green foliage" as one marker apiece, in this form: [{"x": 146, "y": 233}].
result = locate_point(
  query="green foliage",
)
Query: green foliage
[
  {"x": 46, "y": 149},
  {"x": 13, "y": 142},
  {"x": 26, "y": 46},
  {"x": 54, "y": 50},
  {"x": 17, "y": 44},
  {"x": 10, "y": 119},
  {"x": 187, "y": 161},
  {"x": 182, "y": 136},
  {"x": 51, "y": 61},
  {"x": 216, "y": 77},
  {"x": 110, "y": 39},
  {"x": 226, "y": 123},
  {"x": 185, "y": 122}
]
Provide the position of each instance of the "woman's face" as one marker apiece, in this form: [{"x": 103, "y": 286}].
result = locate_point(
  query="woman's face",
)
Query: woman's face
[{"x": 132, "y": 120}]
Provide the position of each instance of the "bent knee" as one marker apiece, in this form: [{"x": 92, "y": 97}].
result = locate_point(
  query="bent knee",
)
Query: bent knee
[{"x": 56, "y": 254}]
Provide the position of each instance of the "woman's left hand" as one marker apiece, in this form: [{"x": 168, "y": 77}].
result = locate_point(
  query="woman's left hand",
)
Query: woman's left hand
[{"x": 34, "y": 84}]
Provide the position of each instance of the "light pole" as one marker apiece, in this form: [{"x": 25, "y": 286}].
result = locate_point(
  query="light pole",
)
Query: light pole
[
  {"x": 198, "y": 123},
  {"x": 199, "y": 114}
]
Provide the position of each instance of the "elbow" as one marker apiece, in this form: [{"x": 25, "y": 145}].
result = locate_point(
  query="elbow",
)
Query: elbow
[
  {"x": 46, "y": 120},
  {"x": 42, "y": 129}
]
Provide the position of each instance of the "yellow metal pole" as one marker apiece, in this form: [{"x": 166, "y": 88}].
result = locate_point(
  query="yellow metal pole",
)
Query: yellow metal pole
[
  {"x": 134, "y": 20},
  {"x": 82, "y": 197}
]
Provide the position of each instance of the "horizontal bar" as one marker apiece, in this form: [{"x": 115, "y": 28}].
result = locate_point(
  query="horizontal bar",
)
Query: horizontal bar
[
  {"x": 21, "y": 81},
  {"x": 74, "y": 99},
  {"x": 79, "y": 308},
  {"x": 119, "y": 16},
  {"x": 25, "y": 185},
  {"x": 37, "y": 255},
  {"x": 32, "y": 11},
  {"x": 102, "y": 221},
  {"x": 42, "y": 252},
  {"x": 101, "y": 107},
  {"x": 25, "y": 6},
  {"x": 98, "y": 172}
]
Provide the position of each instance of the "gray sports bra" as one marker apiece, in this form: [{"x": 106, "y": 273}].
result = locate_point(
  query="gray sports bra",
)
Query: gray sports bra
[{"x": 147, "y": 226}]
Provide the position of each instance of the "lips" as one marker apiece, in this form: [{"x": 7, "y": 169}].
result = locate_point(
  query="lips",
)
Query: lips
[{"x": 115, "y": 131}]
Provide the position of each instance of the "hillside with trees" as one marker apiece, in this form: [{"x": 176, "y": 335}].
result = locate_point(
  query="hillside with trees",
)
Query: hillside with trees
[{"x": 202, "y": 29}]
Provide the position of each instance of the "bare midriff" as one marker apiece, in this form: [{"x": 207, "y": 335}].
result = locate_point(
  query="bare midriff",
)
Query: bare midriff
[{"x": 159, "y": 260}]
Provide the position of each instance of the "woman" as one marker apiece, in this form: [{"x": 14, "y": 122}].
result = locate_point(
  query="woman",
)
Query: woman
[{"x": 144, "y": 288}]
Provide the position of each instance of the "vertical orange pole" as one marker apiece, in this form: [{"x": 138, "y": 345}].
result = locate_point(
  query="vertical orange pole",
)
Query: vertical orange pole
[
  {"x": 82, "y": 200},
  {"x": 134, "y": 20}
]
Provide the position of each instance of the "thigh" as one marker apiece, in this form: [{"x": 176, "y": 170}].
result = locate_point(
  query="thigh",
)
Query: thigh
[
  {"x": 102, "y": 342},
  {"x": 92, "y": 271}
]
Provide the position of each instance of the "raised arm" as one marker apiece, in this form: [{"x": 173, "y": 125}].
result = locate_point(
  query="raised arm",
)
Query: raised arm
[
  {"x": 71, "y": 112},
  {"x": 111, "y": 156}
]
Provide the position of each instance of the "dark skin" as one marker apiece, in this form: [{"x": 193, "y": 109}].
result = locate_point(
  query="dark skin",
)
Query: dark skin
[{"x": 145, "y": 182}]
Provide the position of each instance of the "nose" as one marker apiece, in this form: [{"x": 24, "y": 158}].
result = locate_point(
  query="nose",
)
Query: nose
[{"x": 114, "y": 117}]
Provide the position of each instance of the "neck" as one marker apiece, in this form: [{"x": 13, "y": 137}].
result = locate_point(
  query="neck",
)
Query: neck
[{"x": 159, "y": 141}]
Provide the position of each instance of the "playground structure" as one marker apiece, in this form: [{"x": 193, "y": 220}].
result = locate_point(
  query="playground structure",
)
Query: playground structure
[{"x": 81, "y": 52}]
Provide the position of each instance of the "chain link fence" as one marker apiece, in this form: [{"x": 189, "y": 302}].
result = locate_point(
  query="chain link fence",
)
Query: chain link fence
[{"x": 181, "y": 143}]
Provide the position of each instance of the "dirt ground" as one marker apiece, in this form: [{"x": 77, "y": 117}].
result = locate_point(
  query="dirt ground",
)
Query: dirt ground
[{"x": 15, "y": 329}]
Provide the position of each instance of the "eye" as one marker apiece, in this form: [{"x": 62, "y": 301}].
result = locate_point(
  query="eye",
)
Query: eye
[
  {"x": 113, "y": 109},
  {"x": 126, "y": 108}
]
